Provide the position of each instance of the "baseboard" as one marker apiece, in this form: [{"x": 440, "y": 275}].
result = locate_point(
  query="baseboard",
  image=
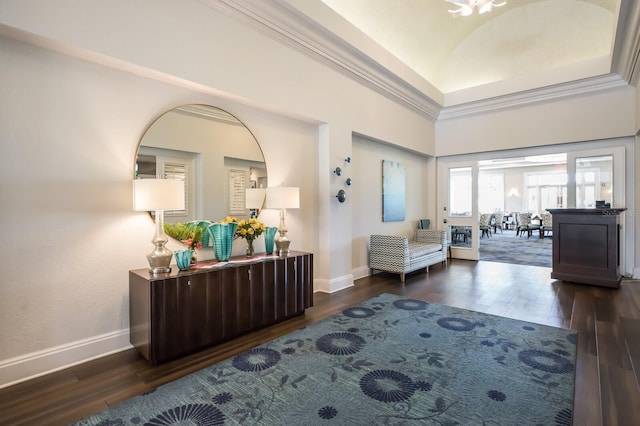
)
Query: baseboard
[
  {"x": 361, "y": 272},
  {"x": 333, "y": 285},
  {"x": 36, "y": 364}
]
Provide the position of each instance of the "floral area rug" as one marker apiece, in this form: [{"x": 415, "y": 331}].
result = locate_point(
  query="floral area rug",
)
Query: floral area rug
[
  {"x": 388, "y": 361},
  {"x": 506, "y": 247}
]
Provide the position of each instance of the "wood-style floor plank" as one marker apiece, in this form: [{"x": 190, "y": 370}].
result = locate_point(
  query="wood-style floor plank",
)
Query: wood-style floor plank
[{"x": 607, "y": 369}]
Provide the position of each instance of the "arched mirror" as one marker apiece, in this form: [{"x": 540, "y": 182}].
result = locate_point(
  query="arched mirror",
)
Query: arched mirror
[{"x": 213, "y": 152}]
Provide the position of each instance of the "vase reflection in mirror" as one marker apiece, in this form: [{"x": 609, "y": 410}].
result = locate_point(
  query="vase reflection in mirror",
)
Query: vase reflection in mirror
[
  {"x": 283, "y": 198},
  {"x": 158, "y": 195}
]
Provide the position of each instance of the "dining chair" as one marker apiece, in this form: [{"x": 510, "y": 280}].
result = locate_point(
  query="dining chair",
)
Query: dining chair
[
  {"x": 485, "y": 229},
  {"x": 547, "y": 224},
  {"x": 497, "y": 222}
]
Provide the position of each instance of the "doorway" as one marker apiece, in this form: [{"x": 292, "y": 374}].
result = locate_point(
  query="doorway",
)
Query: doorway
[{"x": 528, "y": 181}]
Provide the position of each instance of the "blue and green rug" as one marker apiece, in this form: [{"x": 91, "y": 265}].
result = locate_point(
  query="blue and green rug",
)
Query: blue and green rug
[{"x": 388, "y": 361}]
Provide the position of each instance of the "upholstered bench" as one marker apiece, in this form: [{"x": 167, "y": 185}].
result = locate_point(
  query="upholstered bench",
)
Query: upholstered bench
[{"x": 400, "y": 255}]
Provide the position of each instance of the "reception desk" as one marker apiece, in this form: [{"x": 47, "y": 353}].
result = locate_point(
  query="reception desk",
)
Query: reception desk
[{"x": 586, "y": 246}]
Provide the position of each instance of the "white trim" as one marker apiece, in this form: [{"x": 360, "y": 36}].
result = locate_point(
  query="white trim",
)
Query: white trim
[
  {"x": 626, "y": 48},
  {"x": 284, "y": 23},
  {"x": 40, "y": 363},
  {"x": 361, "y": 272},
  {"x": 543, "y": 94},
  {"x": 289, "y": 25},
  {"x": 331, "y": 286}
]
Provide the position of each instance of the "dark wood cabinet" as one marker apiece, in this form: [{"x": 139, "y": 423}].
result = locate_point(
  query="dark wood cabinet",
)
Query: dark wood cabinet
[
  {"x": 180, "y": 312},
  {"x": 586, "y": 246}
]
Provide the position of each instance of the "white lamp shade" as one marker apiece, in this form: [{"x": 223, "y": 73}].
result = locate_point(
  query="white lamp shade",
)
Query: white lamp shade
[
  {"x": 254, "y": 198},
  {"x": 281, "y": 197},
  {"x": 158, "y": 194}
]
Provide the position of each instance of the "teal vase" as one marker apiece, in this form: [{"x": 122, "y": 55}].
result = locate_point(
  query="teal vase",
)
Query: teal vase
[
  {"x": 183, "y": 259},
  {"x": 206, "y": 237},
  {"x": 269, "y": 237},
  {"x": 222, "y": 237}
]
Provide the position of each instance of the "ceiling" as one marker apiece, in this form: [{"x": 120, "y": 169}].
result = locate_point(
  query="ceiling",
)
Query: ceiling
[{"x": 525, "y": 43}]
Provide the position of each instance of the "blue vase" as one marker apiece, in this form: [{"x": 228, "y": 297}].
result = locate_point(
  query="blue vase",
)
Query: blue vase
[
  {"x": 269, "y": 237},
  {"x": 183, "y": 259},
  {"x": 222, "y": 235}
]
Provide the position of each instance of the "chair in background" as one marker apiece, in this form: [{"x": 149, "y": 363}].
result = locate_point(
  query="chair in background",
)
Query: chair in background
[
  {"x": 485, "y": 228},
  {"x": 525, "y": 225},
  {"x": 546, "y": 226},
  {"x": 516, "y": 222},
  {"x": 509, "y": 222},
  {"x": 497, "y": 222}
]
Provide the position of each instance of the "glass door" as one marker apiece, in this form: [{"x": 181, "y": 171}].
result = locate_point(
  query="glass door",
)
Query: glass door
[
  {"x": 458, "y": 207},
  {"x": 596, "y": 178}
]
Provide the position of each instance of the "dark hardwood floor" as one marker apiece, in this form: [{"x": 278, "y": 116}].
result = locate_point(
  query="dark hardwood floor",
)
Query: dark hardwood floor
[{"x": 607, "y": 370}]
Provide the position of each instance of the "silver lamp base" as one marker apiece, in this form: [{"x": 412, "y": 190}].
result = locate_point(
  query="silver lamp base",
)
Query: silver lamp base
[
  {"x": 282, "y": 242},
  {"x": 282, "y": 245},
  {"x": 159, "y": 260}
]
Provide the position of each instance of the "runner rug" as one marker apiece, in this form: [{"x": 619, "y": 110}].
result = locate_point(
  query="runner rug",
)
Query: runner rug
[{"x": 388, "y": 361}]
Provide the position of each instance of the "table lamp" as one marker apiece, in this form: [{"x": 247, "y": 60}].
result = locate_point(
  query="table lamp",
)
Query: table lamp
[
  {"x": 281, "y": 197},
  {"x": 158, "y": 195},
  {"x": 254, "y": 200}
]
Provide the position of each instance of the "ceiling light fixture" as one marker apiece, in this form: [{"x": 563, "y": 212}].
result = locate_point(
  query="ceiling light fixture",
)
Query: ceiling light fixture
[{"x": 466, "y": 7}]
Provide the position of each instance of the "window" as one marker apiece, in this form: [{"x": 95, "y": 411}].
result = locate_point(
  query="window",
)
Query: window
[
  {"x": 178, "y": 171},
  {"x": 594, "y": 180},
  {"x": 545, "y": 191},
  {"x": 169, "y": 164},
  {"x": 491, "y": 192},
  {"x": 460, "y": 195}
]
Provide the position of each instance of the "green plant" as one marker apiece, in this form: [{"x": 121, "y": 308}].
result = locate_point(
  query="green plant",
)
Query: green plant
[{"x": 190, "y": 234}]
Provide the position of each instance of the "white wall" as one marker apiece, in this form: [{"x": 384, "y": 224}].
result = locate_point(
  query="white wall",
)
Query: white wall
[
  {"x": 594, "y": 116},
  {"x": 69, "y": 137},
  {"x": 70, "y": 126}
]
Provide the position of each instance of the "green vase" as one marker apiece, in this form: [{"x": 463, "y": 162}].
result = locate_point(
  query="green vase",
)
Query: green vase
[
  {"x": 269, "y": 238},
  {"x": 222, "y": 235},
  {"x": 183, "y": 259}
]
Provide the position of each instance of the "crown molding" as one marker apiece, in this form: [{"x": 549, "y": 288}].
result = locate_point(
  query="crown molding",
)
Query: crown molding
[
  {"x": 543, "y": 94},
  {"x": 282, "y": 22},
  {"x": 626, "y": 51}
]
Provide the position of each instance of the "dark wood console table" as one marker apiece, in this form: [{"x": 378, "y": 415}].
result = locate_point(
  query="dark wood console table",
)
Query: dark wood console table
[
  {"x": 181, "y": 312},
  {"x": 586, "y": 246}
]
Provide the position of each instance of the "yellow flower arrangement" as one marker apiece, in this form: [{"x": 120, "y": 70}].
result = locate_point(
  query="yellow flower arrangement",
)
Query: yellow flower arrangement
[
  {"x": 250, "y": 229},
  {"x": 247, "y": 229}
]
